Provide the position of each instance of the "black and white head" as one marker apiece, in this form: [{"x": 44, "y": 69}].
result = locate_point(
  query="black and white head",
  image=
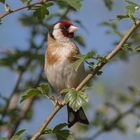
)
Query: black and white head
[{"x": 63, "y": 30}]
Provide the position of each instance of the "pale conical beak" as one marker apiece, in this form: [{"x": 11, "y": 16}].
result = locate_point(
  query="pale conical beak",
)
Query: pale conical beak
[{"x": 72, "y": 29}]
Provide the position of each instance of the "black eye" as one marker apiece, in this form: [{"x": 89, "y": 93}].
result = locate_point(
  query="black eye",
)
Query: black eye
[{"x": 64, "y": 27}]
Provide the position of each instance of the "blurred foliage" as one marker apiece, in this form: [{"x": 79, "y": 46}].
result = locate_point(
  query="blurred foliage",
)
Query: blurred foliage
[
  {"x": 108, "y": 4},
  {"x": 29, "y": 62},
  {"x": 58, "y": 131}
]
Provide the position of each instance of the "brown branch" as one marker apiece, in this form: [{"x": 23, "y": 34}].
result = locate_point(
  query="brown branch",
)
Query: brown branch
[
  {"x": 25, "y": 109},
  {"x": 99, "y": 65},
  {"x": 110, "y": 55},
  {"x": 20, "y": 8},
  {"x": 19, "y": 78},
  {"x": 113, "y": 122},
  {"x": 46, "y": 122}
]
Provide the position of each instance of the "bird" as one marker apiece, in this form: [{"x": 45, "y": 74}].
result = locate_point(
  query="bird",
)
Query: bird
[{"x": 60, "y": 55}]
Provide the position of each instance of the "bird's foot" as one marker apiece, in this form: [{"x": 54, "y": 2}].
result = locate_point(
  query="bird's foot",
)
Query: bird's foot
[{"x": 56, "y": 100}]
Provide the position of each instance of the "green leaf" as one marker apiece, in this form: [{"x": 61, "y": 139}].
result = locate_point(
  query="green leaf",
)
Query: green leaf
[
  {"x": 30, "y": 93},
  {"x": 61, "y": 134},
  {"x": 18, "y": 133},
  {"x": 126, "y": 47},
  {"x": 76, "y": 4},
  {"x": 102, "y": 59},
  {"x": 131, "y": 8},
  {"x": 49, "y": 4},
  {"x": 120, "y": 17},
  {"x": 75, "y": 99},
  {"x": 132, "y": 3},
  {"x": 58, "y": 131},
  {"x": 43, "y": 88},
  {"x": 42, "y": 11},
  {"x": 81, "y": 59},
  {"x": 108, "y": 4},
  {"x": 60, "y": 126},
  {"x": 137, "y": 48},
  {"x": 48, "y": 131},
  {"x": 77, "y": 63}
]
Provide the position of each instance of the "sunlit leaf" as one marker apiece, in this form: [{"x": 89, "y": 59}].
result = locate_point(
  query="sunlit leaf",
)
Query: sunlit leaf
[
  {"x": 30, "y": 93},
  {"x": 18, "y": 133},
  {"x": 75, "y": 99},
  {"x": 81, "y": 59},
  {"x": 131, "y": 8},
  {"x": 43, "y": 88},
  {"x": 48, "y": 131}
]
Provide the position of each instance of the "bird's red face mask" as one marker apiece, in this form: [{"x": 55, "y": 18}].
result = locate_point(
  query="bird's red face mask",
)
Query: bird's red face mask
[{"x": 68, "y": 29}]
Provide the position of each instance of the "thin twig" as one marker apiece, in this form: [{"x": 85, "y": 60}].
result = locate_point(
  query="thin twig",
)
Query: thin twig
[
  {"x": 116, "y": 49},
  {"x": 46, "y": 122},
  {"x": 113, "y": 122},
  {"x": 20, "y": 8},
  {"x": 19, "y": 78},
  {"x": 25, "y": 109},
  {"x": 110, "y": 55}
]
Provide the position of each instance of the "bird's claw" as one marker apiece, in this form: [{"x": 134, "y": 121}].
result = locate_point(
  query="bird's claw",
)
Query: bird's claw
[{"x": 56, "y": 100}]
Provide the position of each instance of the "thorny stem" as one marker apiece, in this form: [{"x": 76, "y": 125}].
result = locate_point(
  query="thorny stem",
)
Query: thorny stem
[{"x": 99, "y": 65}]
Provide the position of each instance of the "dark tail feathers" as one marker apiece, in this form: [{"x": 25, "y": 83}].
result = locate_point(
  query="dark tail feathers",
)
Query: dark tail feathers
[{"x": 78, "y": 116}]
